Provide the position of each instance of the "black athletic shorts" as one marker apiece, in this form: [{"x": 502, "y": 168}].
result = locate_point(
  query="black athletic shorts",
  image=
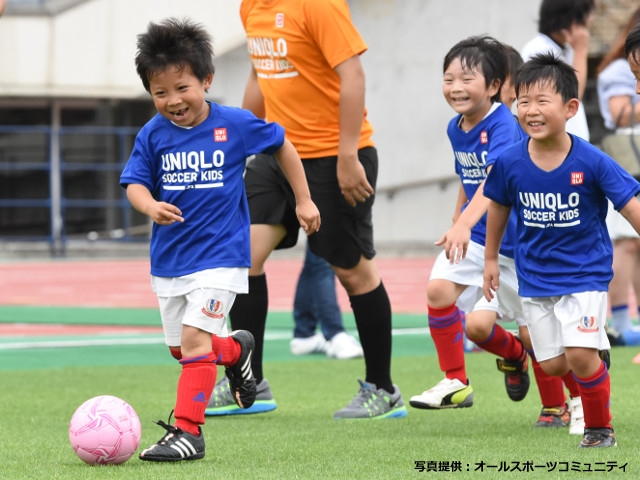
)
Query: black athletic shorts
[{"x": 346, "y": 232}]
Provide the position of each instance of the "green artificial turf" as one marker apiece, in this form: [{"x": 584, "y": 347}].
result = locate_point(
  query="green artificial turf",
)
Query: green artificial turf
[{"x": 494, "y": 439}]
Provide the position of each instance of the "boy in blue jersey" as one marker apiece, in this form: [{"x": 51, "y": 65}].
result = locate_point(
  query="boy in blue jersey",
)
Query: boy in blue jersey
[
  {"x": 556, "y": 411},
  {"x": 474, "y": 71},
  {"x": 186, "y": 173},
  {"x": 558, "y": 185}
]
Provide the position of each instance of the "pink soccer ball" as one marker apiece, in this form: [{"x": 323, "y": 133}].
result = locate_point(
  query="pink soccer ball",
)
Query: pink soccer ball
[{"x": 104, "y": 430}]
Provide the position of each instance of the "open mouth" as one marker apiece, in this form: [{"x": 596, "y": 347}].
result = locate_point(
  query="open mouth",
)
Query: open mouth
[{"x": 179, "y": 114}]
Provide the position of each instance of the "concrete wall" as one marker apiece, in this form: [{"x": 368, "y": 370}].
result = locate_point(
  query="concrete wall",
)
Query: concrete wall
[{"x": 88, "y": 51}]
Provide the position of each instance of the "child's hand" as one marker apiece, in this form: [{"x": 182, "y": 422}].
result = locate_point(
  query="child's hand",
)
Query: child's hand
[
  {"x": 165, "y": 214},
  {"x": 578, "y": 37},
  {"x": 308, "y": 216},
  {"x": 455, "y": 242},
  {"x": 491, "y": 283}
]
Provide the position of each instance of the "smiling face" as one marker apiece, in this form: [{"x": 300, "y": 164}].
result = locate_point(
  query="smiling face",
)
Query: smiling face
[
  {"x": 466, "y": 91},
  {"x": 179, "y": 96},
  {"x": 542, "y": 112}
]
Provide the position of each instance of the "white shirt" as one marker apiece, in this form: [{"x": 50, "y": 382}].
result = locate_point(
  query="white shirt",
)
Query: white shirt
[{"x": 542, "y": 43}]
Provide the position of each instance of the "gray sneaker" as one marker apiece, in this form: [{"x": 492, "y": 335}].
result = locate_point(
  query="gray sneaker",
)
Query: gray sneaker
[
  {"x": 222, "y": 402},
  {"x": 373, "y": 402}
]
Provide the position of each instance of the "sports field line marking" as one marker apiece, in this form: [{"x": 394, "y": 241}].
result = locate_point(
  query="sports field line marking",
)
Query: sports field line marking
[{"x": 155, "y": 340}]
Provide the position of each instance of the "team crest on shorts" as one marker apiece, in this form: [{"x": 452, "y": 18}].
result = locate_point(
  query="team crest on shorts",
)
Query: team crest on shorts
[
  {"x": 213, "y": 308},
  {"x": 588, "y": 324}
]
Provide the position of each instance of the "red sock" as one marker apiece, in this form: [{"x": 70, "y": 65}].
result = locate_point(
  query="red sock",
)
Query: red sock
[
  {"x": 195, "y": 385},
  {"x": 445, "y": 325},
  {"x": 226, "y": 350},
  {"x": 503, "y": 344},
  {"x": 596, "y": 393},
  {"x": 550, "y": 387},
  {"x": 570, "y": 383}
]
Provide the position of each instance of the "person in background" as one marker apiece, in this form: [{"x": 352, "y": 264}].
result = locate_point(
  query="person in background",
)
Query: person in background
[
  {"x": 563, "y": 29},
  {"x": 316, "y": 303},
  {"x": 307, "y": 75},
  {"x": 619, "y": 103}
]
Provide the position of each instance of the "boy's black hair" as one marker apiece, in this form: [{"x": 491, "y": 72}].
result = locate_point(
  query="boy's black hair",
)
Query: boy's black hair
[
  {"x": 632, "y": 43},
  {"x": 515, "y": 62},
  {"x": 556, "y": 15},
  {"x": 174, "y": 42},
  {"x": 481, "y": 54},
  {"x": 548, "y": 70}
]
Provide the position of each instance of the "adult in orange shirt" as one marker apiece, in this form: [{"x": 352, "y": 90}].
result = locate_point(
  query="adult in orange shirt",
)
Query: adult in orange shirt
[{"x": 306, "y": 73}]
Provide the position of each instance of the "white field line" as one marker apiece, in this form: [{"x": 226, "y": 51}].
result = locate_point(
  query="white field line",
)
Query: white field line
[{"x": 155, "y": 339}]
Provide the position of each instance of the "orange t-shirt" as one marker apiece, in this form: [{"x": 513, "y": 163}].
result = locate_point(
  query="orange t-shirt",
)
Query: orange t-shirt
[{"x": 294, "y": 47}]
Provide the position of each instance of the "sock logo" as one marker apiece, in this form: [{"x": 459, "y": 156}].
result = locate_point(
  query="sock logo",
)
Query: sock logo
[{"x": 199, "y": 398}]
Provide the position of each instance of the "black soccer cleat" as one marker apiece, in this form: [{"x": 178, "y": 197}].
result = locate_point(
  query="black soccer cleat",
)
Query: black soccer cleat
[
  {"x": 241, "y": 380},
  {"x": 516, "y": 376},
  {"x": 176, "y": 445}
]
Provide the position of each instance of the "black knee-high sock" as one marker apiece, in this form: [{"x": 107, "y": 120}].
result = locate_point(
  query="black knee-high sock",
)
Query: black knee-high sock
[
  {"x": 249, "y": 312},
  {"x": 372, "y": 313}
]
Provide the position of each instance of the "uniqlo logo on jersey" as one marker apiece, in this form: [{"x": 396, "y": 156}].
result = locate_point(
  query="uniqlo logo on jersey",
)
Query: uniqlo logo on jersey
[
  {"x": 484, "y": 138},
  {"x": 220, "y": 135},
  {"x": 279, "y": 20},
  {"x": 577, "y": 178}
]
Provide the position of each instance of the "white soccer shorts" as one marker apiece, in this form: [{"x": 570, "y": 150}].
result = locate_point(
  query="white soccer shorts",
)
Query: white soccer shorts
[
  {"x": 575, "y": 320},
  {"x": 470, "y": 271},
  {"x": 203, "y": 308}
]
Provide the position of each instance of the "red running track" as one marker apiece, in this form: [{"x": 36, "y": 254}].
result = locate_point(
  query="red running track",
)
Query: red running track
[{"x": 126, "y": 284}]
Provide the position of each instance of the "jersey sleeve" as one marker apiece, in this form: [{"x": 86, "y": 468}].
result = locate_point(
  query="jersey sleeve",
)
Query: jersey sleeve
[
  {"x": 617, "y": 184},
  {"x": 330, "y": 25},
  {"x": 495, "y": 187},
  {"x": 503, "y": 134},
  {"x": 260, "y": 136},
  {"x": 138, "y": 169}
]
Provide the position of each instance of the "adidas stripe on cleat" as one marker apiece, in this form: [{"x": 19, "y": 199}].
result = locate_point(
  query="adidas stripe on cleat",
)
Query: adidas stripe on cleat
[
  {"x": 448, "y": 393},
  {"x": 241, "y": 381},
  {"x": 176, "y": 445}
]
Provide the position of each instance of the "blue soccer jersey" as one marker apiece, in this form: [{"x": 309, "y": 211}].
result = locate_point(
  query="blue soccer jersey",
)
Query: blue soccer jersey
[
  {"x": 563, "y": 245},
  {"x": 478, "y": 149},
  {"x": 200, "y": 170}
]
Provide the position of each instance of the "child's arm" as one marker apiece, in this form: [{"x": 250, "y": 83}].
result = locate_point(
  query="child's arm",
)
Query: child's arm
[
  {"x": 497, "y": 219},
  {"x": 291, "y": 165},
  {"x": 462, "y": 199},
  {"x": 162, "y": 213},
  {"x": 578, "y": 37},
  {"x": 631, "y": 211},
  {"x": 456, "y": 239}
]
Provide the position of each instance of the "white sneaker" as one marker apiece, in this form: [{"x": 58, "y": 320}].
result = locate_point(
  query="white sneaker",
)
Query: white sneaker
[
  {"x": 343, "y": 346},
  {"x": 576, "y": 425},
  {"x": 305, "y": 346},
  {"x": 448, "y": 393}
]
